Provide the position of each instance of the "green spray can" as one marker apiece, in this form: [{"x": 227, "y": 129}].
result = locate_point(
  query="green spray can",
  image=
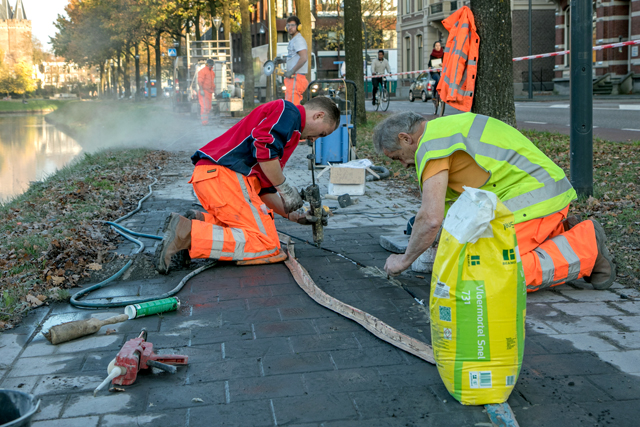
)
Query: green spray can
[{"x": 152, "y": 307}]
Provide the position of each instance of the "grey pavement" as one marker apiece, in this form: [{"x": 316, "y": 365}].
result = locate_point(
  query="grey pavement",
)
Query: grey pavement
[{"x": 262, "y": 353}]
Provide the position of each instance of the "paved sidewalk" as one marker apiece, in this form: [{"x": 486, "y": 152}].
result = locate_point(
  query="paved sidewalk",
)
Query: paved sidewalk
[{"x": 262, "y": 353}]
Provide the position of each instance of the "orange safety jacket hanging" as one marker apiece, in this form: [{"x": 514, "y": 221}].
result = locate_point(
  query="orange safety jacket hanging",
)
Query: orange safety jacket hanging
[{"x": 460, "y": 60}]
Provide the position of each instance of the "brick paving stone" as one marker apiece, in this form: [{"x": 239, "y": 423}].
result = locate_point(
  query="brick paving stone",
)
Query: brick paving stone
[
  {"x": 336, "y": 324},
  {"x": 163, "y": 398},
  {"x": 223, "y": 370},
  {"x": 24, "y": 384},
  {"x": 281, "y": 301},
  {"x": 226, "y": 333},
  {"x": 546, "y": 296},
  {"x": 85, "y": 404},
  {"x": 410, "y": 401},
  {"x": 247, "y": 317},
  {"x": 626, "y": 361},
  {"x": 307, "y": 311},
  {"x": 296, "y": 363},
  {"x": 629, "y": 340},
  {"x": 568, "y": 364},
  {"x": 325, "y": 342},
  {"x": 174, "y": 418},
  {"x": 552, "y": 415},
  {"x": 50, "y": 407},
  {"x": 256, "y": 348},
  {"x": 574, "y": 324},
  {"x": 259, "y": 388},
  {"x": 284, "y": 329},
  {"x": 11, "y": 345},
  {"x": 374, "y": 356},
  {"x": 632, "y": 323},
  {"x": 558, "y": 389},
  {"x": 618, "y": 386},
  {"x": 592, "y": 309},
  {"x": 346, "y": 380},
  {"x": 64, "y": 384},
  {"x": 589, "y": 342},
  {"x": 69, "y": 422},
  {"x": 624, "y": 413},
  {"x": 255, "y": 413},
  {"x": 420, "y": 374},
  {"x": 586, "y": 295},
  {"x": 632, "y": 307},
  {"x": 99, "y": 342},
  {"x": 197, "y": 353},
  {"x": 320, "y": 408},
  {"x": 46, "y": 365}
]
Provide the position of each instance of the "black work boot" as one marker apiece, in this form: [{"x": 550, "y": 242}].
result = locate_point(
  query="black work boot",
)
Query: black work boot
[
  {"x": 604, "y": 270},
  {"x": 177, "y": 236},
  {"x": 571, "y": 222},
  {"x": 194, "y": 214}
]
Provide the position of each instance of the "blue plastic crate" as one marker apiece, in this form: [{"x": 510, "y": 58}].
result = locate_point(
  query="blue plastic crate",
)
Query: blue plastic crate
[{"x": 334, "y": 148}]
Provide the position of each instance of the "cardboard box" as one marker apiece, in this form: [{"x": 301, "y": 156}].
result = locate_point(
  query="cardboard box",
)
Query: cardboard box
[{"x": 349, "y": 181}]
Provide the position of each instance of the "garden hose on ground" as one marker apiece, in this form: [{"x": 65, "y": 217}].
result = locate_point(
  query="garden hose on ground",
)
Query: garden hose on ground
[{"x": 124, "y": 232}]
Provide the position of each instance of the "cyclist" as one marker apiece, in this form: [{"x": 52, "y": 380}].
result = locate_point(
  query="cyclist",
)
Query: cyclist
[
  {"x": 436, "y": 57},
  {"x": 378, "y": 67}
]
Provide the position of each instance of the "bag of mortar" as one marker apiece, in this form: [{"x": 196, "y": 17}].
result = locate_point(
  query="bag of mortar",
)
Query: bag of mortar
[{"x": 478, "y": 300}]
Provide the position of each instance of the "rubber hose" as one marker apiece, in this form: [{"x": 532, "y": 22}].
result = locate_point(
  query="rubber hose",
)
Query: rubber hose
[
  {"x": 380, "y": 170},
  {"x": 124, "y": 232}
]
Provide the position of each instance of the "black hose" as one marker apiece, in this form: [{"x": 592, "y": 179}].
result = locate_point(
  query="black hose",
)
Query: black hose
[{"x": 381, "y": 171}]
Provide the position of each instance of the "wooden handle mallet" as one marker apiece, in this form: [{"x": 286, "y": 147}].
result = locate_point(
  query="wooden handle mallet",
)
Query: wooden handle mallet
[{"x": 79, "y": 328}]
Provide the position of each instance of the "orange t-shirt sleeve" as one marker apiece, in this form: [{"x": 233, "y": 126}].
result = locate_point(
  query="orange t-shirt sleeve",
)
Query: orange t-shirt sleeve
[{"x": 435, "y": 166}]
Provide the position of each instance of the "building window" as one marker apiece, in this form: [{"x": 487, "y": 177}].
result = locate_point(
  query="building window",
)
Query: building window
[
  {"x": 420, "y": 5},
  {"x": 407, "y": 6},
  {"x": 407, "y": 47},
  {"x": 419, "y": 47}
]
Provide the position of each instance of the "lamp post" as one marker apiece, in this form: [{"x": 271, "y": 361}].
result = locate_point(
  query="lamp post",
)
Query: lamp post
[
  {"x": 366, "y": 62},
  {"x": 216, "y": 22}
]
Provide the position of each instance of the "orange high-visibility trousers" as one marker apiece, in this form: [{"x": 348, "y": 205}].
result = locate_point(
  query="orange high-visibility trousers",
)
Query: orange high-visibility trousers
[
  {"x": 205, "y": 106},
  {"x": 296, "y": 86},
  {"x": 238, "y": 225},
  {"x": 551, "y": 256}
]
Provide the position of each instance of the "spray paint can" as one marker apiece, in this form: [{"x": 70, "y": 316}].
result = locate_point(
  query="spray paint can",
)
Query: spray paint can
[{"x": 152, "y": 307}]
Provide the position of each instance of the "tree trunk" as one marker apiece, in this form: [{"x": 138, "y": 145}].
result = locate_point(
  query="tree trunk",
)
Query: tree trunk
[
  {"x": 125, "y": 76},
  {"x": 148, "y": 87},
  {"x": 353, "y": 51},
  {"x": 101, "y": 91},
  {"x": 303, "y": 12},
  {"x": 247, "y": 60},
  {"x": 158, "y": 65},
  {"x": 137, "y": 59},
  {"x": 226, "y": 20},
  {"x": 118, "y": 73},
  {"x": 197, "y": 24},
  {"x": 494, "y": 84}
]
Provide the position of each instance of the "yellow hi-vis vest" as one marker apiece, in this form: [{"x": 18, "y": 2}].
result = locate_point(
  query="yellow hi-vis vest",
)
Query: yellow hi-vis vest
[{"x": 526, "y": 181}]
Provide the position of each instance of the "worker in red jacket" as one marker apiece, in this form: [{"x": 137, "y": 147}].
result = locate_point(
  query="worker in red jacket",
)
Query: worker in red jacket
[
  {"x": 207, "y": 85},
  {"x": 238, "y": 180}
]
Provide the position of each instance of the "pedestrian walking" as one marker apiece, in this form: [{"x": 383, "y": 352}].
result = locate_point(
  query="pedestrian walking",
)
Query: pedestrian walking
[{"x": 207, "y": 85}]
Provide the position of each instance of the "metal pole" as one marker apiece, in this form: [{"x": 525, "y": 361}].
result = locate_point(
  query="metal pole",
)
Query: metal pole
[
  {"x": 530, "y": 53},
  {"x": 366, "y": 60},
  {"x": 581, "y": 145}
]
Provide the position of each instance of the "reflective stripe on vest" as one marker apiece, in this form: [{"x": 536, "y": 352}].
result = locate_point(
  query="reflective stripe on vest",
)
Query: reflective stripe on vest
[{"x": 481, "y": 151}]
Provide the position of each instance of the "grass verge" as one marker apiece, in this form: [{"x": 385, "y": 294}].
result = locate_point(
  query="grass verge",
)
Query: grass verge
[
  {"x": 31, "y": 105},
  {"x": 616, "y": 187},
  {"x": 54, "y": 235}
]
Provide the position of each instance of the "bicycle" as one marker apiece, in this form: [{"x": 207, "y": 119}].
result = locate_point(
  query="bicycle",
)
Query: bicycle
[
  {"x": 438, "y": 102},
  {"x": 382, "y": 97}
]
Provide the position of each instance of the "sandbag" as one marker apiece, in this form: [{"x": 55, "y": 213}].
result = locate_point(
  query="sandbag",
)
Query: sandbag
[{"x": 478, "y": 300}]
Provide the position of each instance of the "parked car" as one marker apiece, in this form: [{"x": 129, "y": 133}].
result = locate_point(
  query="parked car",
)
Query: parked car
[{"x": 422, "y": 87}]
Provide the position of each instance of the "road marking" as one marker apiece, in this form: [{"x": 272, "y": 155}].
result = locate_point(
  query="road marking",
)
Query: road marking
[
  {"x": 536, "y": 123},
  {"x": 629, "y": 107},
  {"x": 559, "y": 106},
  {"x": 635, "y": 130}
]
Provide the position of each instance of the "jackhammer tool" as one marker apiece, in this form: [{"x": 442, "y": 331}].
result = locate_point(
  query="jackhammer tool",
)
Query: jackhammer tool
[
  {"x": 135, "y": 355},
  {"x": 311, "y": 194}
]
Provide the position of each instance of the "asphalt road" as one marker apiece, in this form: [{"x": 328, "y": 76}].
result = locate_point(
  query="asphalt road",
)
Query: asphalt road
[{"x": 614, "y": 120}]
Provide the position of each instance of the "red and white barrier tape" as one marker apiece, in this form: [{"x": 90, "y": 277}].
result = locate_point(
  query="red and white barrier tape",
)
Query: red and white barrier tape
[{"x": 523, "y": 58}]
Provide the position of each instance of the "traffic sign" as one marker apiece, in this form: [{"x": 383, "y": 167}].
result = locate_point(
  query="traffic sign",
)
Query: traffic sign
[{"x": 172, "y": 51}]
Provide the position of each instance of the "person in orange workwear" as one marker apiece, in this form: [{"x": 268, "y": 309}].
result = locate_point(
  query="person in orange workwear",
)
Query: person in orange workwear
[
  {"x": 477, "y": 151},
  {"x": 238, "y": 180},
  {"x": 295, "y": 79},
  {"x": 206, "y": 85}
]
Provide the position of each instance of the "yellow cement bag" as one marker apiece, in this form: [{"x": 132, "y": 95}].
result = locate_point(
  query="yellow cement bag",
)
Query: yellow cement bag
[{"x": 478, "y": 300}]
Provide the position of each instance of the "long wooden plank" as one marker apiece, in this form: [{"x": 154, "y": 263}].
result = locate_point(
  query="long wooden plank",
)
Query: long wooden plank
[{"x": 500, "y": 414}]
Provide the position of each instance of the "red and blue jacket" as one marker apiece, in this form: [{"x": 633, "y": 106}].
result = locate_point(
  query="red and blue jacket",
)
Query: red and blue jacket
[{"x": 270, "y": 131}]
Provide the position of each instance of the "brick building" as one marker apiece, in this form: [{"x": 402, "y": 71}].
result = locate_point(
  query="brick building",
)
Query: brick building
[
  {"x": 615, "y": 70},
  {"x": 15, "y": 34},
  {"x": 420, "y": 26}
]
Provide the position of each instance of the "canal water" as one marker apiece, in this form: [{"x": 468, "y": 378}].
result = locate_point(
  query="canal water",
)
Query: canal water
[{"x": 30, "y": 150}]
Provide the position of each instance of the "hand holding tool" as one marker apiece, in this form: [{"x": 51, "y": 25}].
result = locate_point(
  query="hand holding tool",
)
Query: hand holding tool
[
  {"x": 79, "y": 328},
  {"x": 135, "y": 355},
  {"x": 290, "y": 197}
]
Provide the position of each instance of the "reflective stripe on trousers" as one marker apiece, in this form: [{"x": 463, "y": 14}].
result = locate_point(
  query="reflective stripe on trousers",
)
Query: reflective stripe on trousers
[
  {"x": 561, "y": 257},
  {"x": 474, "y": 146},
  {"x": 237, "y": 225}
]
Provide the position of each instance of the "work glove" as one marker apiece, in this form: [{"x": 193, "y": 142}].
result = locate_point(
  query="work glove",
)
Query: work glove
[
  {"x": 304, "y": 216},
  {"x": 290, "y": 197},
  {"x": 288, "y": 74}
]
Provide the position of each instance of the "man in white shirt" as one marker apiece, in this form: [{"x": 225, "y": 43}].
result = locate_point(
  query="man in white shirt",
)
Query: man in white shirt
[
  {"x": 378, "y": 67},
  {"x": 295, "y": 79}
]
